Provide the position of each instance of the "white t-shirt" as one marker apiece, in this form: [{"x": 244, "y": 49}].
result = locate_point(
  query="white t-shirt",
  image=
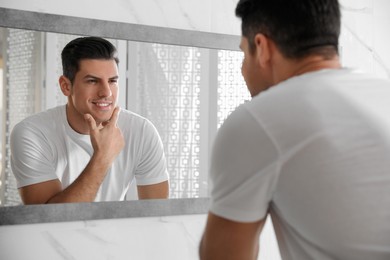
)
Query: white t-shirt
[
  {"x": 314, "y": 151},
  {"x": 44, "y": 147}
]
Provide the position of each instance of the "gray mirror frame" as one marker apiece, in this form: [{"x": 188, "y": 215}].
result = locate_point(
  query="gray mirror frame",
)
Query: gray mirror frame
[
  {"x": 27, "y": 20},
  {"x": 32, "y": 214}
]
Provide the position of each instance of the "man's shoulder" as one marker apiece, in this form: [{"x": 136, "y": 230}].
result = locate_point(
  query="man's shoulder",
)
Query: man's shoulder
[
  {"x": 130, "y": 117},
  {"x": 41, "y": 120},
  {"x": 130, "y": 121},
  {"x": 124, "y": 113}
]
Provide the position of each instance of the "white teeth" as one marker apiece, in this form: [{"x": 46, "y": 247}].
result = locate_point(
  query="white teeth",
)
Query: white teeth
[{"x": 102, "y": 104}]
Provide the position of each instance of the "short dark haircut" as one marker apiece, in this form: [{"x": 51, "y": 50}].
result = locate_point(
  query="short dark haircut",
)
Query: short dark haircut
[
  {"x": 298, "y": 27},
  {"x": 85, "y": 48}
]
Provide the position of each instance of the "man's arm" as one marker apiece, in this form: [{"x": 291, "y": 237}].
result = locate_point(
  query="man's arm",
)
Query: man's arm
[
  {"x": 107, "y": 142},
  {"x": 154, "y": 191},
  {"x": 83, "y": 189},
  {"x": 230, "y": 240}
]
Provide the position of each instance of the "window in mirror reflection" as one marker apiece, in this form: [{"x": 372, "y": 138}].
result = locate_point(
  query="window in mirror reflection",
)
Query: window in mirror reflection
[{"x": 186, "y": 92}]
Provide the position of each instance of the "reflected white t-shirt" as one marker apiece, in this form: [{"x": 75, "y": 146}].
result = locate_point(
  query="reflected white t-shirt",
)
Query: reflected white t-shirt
[
  {"x": 314, "y": 151},
  {"x": 44, "y": 147}
]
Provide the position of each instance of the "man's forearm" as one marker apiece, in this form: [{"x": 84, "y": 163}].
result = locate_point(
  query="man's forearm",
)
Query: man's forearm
[{"x": 86, "y": 186}]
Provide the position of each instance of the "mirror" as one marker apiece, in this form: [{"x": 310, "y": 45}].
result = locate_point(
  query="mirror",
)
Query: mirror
[{"x": 185, "y": 82}]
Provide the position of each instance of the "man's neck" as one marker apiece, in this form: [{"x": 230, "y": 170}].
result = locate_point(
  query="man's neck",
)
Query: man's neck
[
  {"x": 312, "y": 64},
  {"x": 291, "y": 68},
  {"x": 76, "y": 122}
]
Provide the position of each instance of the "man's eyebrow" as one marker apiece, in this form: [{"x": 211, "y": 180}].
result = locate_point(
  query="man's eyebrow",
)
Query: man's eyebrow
[
  {"x": 90, "y": 76},
  {"x": 96, "y": 77}
]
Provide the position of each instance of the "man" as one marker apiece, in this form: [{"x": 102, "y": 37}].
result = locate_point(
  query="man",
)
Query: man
[
  {"x": 311, "y": 148},
  {"x": 87, "y": 150}
]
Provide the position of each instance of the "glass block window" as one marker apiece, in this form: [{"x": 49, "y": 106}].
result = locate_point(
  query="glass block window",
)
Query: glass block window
[
  {"x": 22, "y": 94},
  {"x": 232, "y": 90},
  {"x": 168, "y": 94}
]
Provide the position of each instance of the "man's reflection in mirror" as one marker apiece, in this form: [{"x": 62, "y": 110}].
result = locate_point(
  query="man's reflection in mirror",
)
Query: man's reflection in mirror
[{"x": 89, "y": 149}]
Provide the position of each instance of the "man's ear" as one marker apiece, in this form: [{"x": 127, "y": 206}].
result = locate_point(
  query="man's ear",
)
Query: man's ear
[
  {"x": 263, "y": 50},
  {"x": 65, "y": 85}
]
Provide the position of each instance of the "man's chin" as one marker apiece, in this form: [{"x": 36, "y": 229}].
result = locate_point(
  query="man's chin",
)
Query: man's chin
[
  {"x": 100, "y": 120},
  {"x": 103, "y": 116}
]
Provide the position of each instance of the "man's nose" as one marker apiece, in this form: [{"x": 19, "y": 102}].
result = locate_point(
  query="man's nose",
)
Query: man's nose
[{"x": 105, "y": 90}]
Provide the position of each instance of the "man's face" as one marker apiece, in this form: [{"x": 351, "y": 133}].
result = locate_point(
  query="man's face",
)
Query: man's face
[
  {"x": 94, "y": 91},
  {"x": 255, "y": 76}
]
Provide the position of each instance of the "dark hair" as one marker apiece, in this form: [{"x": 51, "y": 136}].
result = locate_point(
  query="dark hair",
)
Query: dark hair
[
  {"x": 85, "y": 48},
  {"x": 298, "y": 27}
]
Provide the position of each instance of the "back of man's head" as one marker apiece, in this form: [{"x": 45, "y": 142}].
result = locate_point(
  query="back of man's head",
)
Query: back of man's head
[
  {"x": 85, "y": 48},
  {"x": 298, "y": 27}
]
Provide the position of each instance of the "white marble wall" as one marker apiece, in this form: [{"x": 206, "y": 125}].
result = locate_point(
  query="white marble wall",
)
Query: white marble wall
[
  {"x": 364, "y": 38},
  {"x": 169, "y": 237}
]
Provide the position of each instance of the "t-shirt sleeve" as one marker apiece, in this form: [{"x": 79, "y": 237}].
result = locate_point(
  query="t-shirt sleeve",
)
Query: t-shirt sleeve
[
  {"x": 152, "y": 166},
  {"x": 31, "y": 156},
  {"x": 244, "y": 169}
]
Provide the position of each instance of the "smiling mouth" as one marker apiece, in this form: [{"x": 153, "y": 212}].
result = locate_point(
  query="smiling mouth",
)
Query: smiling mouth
[{"x": 102, "y": 104}]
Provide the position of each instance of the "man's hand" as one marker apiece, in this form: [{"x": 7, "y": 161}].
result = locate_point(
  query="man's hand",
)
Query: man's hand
[{"x": 107, "y": 139}]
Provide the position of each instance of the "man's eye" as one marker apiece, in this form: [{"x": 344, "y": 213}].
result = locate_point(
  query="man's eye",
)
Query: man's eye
[
  {"x": 92, "y": 81},
  {"x": 113, "y": 81}
]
